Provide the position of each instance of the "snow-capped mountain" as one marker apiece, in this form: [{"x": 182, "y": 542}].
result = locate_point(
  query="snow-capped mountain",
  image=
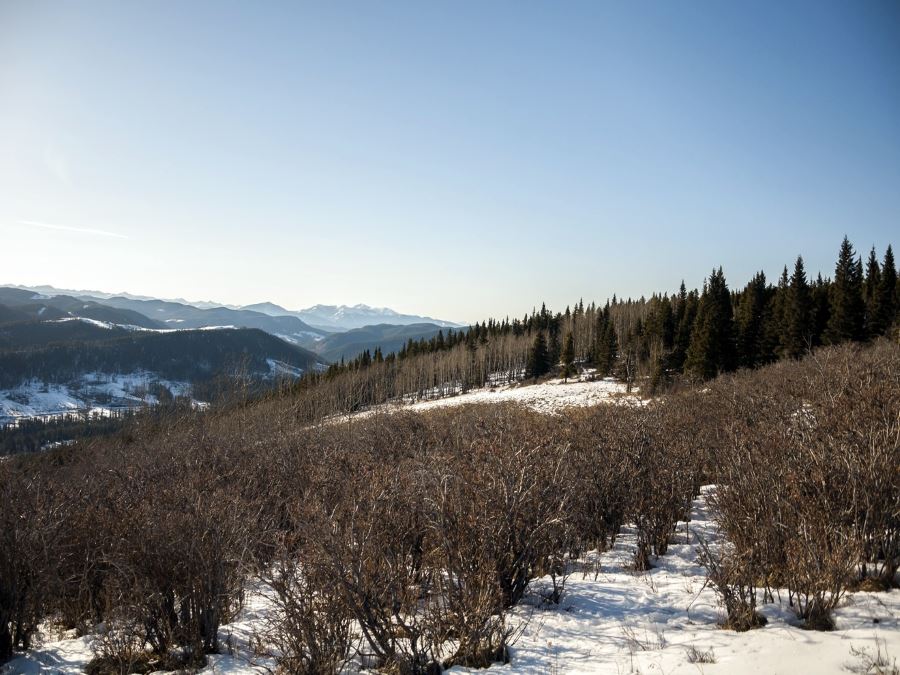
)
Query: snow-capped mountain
[{"x": 347, "y": 317}]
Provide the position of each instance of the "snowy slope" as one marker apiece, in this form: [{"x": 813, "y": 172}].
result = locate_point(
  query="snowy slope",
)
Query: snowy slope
[
  {"x": 92, "y": 393},
  {"x": 550, "y": 396}
]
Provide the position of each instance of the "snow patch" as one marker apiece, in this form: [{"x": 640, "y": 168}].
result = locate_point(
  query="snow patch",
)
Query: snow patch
[{"x": 92, "y": 394}]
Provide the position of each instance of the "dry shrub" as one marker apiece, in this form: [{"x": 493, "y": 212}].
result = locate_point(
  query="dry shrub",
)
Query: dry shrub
[
  {"x": 425, "y": 528},
  {"x": 32, "y": 520},
  {"x": 810, "y": 479},
  {"x": 311, "y": 628},
  {"x": 119, "y": 644},
  {"x": 732, "y": 577}
]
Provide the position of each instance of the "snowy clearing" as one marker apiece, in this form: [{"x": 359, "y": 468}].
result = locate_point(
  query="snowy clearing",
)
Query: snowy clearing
[
  {"x": 612, "y": 620},
  {"x": 550, "y": 396},
  {"x": 98, "y": 393}
]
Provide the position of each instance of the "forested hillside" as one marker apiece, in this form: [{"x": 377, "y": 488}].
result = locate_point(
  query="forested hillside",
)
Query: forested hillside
[
  {"x": 58, "y": 352},
  {"x": 383, "y": 338},
  {"x": 22, "y": 304},
  {"x": 684, "y": 337}
]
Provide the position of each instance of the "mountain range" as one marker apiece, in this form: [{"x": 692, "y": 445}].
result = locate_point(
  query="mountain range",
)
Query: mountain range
[
  {"x": 336, "y": 318},
  {"x": 318, "y": 318},
  {"x": 56, "y": 345},
  {"x": 322, "y": 333}
]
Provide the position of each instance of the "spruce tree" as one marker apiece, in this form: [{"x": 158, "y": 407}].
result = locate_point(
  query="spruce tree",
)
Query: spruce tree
[
  {"x": 821, "y": 308},
  {"x": 538, "y": 358},
  {"x": 753, "y": 314},
  {"x": 797, "y": 336},
  {"x": 871, "y": 286},
  {"x": 568, "y": 356},
  {"x": 612, "y": 346},
  {"x": 712, "y": 348},
  {"x": 779, "y": 305},
  {"x": 684, "y": 326},
  {"x": 886, "y": 304},
  {"x": 847, "y": 306}
]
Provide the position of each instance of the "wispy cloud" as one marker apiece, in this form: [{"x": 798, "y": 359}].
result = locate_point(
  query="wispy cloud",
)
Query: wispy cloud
[{"x": 69, "y": 228}]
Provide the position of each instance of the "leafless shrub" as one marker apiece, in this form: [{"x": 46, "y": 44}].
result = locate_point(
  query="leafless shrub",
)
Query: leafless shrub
[
  {"x": 873, "y": 662},
  {"x": 374, "y": 556},
  {"x": 311, "y": 628},
  {"x": 32, "y": 518},
  {"x": 809, "y": 486},
  {"x": 695, "y": 655},
  {"x": 119, "y": 645},
  {"x": 732, "y": 577}
]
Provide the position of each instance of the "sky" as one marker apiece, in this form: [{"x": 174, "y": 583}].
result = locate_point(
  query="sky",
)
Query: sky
[{"x": 455, "y": 159}]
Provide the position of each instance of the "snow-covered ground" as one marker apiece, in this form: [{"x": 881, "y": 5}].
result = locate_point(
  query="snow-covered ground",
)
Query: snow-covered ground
[
  {"x": 92, "y": 393},
  {"x": 549, "y": 396},
  {"x": 614, "y": 620}
]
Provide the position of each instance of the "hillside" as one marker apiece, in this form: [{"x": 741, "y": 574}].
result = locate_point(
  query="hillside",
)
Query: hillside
[
  {"x": 68, "y": 365},
  {"x": 27, "y": 304},
  {"x": 626, "y": 552},
  {"x": 389, "y": 338},
  {"x": 345, "y": 332},
  {"x": 73, "y": 347},
  {"x": 177, "y": 315}
]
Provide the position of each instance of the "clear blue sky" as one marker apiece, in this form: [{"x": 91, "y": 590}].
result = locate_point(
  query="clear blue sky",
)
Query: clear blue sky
[{"x": 449, "y": 158}]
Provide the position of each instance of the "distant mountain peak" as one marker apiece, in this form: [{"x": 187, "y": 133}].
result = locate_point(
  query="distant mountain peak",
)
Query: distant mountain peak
[
  {"x": 322, "y": 318},
  {"x": 348, "y": 317}
]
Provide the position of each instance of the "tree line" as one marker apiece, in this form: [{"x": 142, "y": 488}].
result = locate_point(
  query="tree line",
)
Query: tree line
[{"x": 687, "y": 336}]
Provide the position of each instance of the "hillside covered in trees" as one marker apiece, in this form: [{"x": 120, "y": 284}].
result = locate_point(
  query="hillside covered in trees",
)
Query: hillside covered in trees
[
  {"x": 62, "y": 351},
  {"x": 666, "y": 340}
]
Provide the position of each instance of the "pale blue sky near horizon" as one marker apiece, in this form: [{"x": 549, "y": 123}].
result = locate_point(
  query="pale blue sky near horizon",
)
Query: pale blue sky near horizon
[{"x": 460, "y": 160}]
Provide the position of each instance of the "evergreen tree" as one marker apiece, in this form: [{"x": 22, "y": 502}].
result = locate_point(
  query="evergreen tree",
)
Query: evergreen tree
[
  {"x": 612, "y": 347},
  {"x": 847, "y": 306},
  {"x": 568, "y": 356},
  {"x": 779, "y": 305},
  {"x": 712, "y": 348},
  {"x": 554, "y": 346},
  {"x": 752, "y": 323},
  {"x": 821, "y": 309},
  {"x": 871, "y": 286},
  {"x": 797, "y": 336},
  {"x": 886, "y": 305},
  {"x": 606, "y": 344},
  {"x": 538, "y": 357},
  {"x": 685, "y": 315}
]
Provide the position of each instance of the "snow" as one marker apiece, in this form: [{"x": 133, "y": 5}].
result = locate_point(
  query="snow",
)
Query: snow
[
  {"x": 301, "y": 337},
  {"x": 278, "y": 368},
  {"x": 131, "y": 327},
  {"x": 92, "y": 394},
  {"x": 611, "y": 620},
  {"x": 94, "y": 322},
  {"x": 58, "y": 655},
  {"x": 551, "y": 396},
  {"x": 109, "y": 325},
  {"x": 621, "y": 621}
]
